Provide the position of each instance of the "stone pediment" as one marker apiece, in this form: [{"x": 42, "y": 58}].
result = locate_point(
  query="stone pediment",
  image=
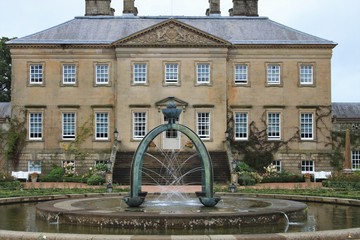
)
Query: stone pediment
[
  {"x": 164, "y": 102},
  {"x": 171, "y": 33}
]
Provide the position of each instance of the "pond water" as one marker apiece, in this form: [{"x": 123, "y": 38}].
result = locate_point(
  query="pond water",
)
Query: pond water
[{"x": 22, "y": 217}]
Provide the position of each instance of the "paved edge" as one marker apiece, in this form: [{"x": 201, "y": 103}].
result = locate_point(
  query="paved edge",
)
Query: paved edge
[{"x": 353, "y": 233}]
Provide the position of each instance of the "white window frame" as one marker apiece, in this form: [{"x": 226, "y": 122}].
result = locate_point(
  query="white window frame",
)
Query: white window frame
[
  {"x": 69, "y": 74},
  {"x": 203, "y": 73},
  {"x": 67, "y": 126},
  {"x": 307, "y": 166},
  {"x": 307, "y": 126},
  {"x": 273, "y": 76},
  {"x": 102, "y": 125},
  {"x": 241, "y": 74},
  {"x": 34, "y": 166},
  {"x": 241, "y": 125},
  {"x": 306, "y": 74},
  {"x": 140, "y": 119},
  {"x": 355, "y": 160},
  {"x": 203, "y": 125},
  {"x": 274, "y": 125},
  {"x": 36, "y": 74},
  {"x": 139, "y": 73},
  {"x": 102, "y": 71},
  {"x": 171, "y": 73},
  {"x": 278, "y": 166},
  {"x": 36, "y": 125}
]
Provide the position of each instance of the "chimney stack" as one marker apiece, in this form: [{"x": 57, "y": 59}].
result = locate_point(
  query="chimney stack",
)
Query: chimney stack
[
  {"x": 247, "y": 8},
  {"x": 98, "y": 8},
  {"x": 129, "y": 7},
  {"x": 214, "y": 8}
]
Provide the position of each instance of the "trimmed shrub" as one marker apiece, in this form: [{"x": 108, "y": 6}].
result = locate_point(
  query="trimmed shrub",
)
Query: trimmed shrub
[
  {"x": 343, "y": 180},
  {"x": 96, "y": 180},
  {"x": 282, "y": 177},
  {"x": 14, "y": 185},
  {"x": 246, "y": 179},
  {"x": 55, "y": 175}
]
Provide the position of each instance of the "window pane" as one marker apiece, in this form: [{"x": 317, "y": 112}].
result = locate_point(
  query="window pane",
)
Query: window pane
[
  {"x": 273, "y": 126},
  {"x": 203, "y": 73},
  {"x": 102, "y": 74},
  {"x": 241, "y": 125},
  {"x": 69, "y": 74},
  {"x": 306, "y": 126},
  {"x": 171, "y": 73},
  {"x": 35, "y": 126},
  {"x": 102, "y": 125},
  {"x": 306, "y": 74},
  {"x": 203, "y": 125},
  {"x": 307, "y": 166},
  {"x": 241, "y": 74},
  {"x": 140, "y": 73},
  {"x": 355, "y": 156},
  {"x": 36, "y": 74},
  {"x": 69, "y": 126},
  {"x": 273, "y": 74},
  {"x": 139, "y": 127},
  {"x": 34, "y": 166}
]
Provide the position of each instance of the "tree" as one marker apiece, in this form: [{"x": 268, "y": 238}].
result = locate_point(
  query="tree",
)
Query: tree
[{"x": 5, "y": 71}]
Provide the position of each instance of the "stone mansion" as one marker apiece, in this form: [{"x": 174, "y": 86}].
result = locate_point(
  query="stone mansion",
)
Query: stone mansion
[{"x": 96, "y": 73}]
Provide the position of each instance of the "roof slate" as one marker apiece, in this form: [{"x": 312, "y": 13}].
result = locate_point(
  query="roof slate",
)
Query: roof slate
[
  {"x": 346, "y": 110},
  {"x": 106, "y": 30}
]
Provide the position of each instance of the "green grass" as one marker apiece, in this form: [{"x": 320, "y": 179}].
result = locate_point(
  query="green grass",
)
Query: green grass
[
  {"x": 54, "y": 191},
  {"x": 321, "y": 192}
]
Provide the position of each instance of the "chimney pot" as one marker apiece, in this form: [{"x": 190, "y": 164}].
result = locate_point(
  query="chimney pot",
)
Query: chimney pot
[
  {"x": 98, "y": 8},
  {"x": 214, "y": 8},
  {"x": 244, "y": 8}
]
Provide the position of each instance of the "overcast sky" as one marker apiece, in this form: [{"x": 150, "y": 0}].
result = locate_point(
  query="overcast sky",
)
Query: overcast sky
[{"x": 330, "y": 19}]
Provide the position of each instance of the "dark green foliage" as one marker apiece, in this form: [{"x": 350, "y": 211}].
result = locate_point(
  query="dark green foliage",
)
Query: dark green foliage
[
  {"x": 55, "y": 175},
  {"x": 15, "y": 141},
  {"x": 5, "y": 71},
  {"x": 96, "y": 180},
  {"x": 246, "y": 179},
  {"x": 282, "y": 177},
  {"x": 6, "y": 177},
  {"x": 14, "y": 185},
  {"x": 344, "y": 180},
  {"x": 257, "y": 159}
]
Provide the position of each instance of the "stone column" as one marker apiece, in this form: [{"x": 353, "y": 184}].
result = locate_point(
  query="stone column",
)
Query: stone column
[{"x": 347, "y": 164}]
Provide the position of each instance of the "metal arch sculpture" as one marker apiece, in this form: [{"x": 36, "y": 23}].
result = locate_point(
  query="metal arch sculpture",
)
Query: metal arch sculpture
[{"x": 137, "y": 197}]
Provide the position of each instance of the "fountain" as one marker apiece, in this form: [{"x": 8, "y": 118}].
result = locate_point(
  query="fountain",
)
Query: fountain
[{"x": 181, "y": 214}]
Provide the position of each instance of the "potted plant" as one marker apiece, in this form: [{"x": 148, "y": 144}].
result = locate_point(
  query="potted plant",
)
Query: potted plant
[
  {"x": 307, "y": 177},
  {"x": 34, "y": 177}
]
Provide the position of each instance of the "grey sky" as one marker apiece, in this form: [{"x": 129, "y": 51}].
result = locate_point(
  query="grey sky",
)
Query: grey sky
[{"x": 330, "y": 19}]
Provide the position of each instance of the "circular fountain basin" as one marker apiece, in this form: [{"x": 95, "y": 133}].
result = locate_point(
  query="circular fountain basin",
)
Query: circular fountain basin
[{"x": 156, "y": 214}]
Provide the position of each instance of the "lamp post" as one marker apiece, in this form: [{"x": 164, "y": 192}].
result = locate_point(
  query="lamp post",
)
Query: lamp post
[
  {"x": 108, "y": 174},
  {"x": 227, "y": 134},
  {"x": 116, "y": 134},
  {"x": 109, "y": 187}
]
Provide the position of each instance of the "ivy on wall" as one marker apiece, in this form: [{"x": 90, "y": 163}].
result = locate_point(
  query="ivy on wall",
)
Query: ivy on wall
[
  {"x": 74, "y": 147},
  {"x": 14, "y": 141},
  {"x": 258, "y": 152}
]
